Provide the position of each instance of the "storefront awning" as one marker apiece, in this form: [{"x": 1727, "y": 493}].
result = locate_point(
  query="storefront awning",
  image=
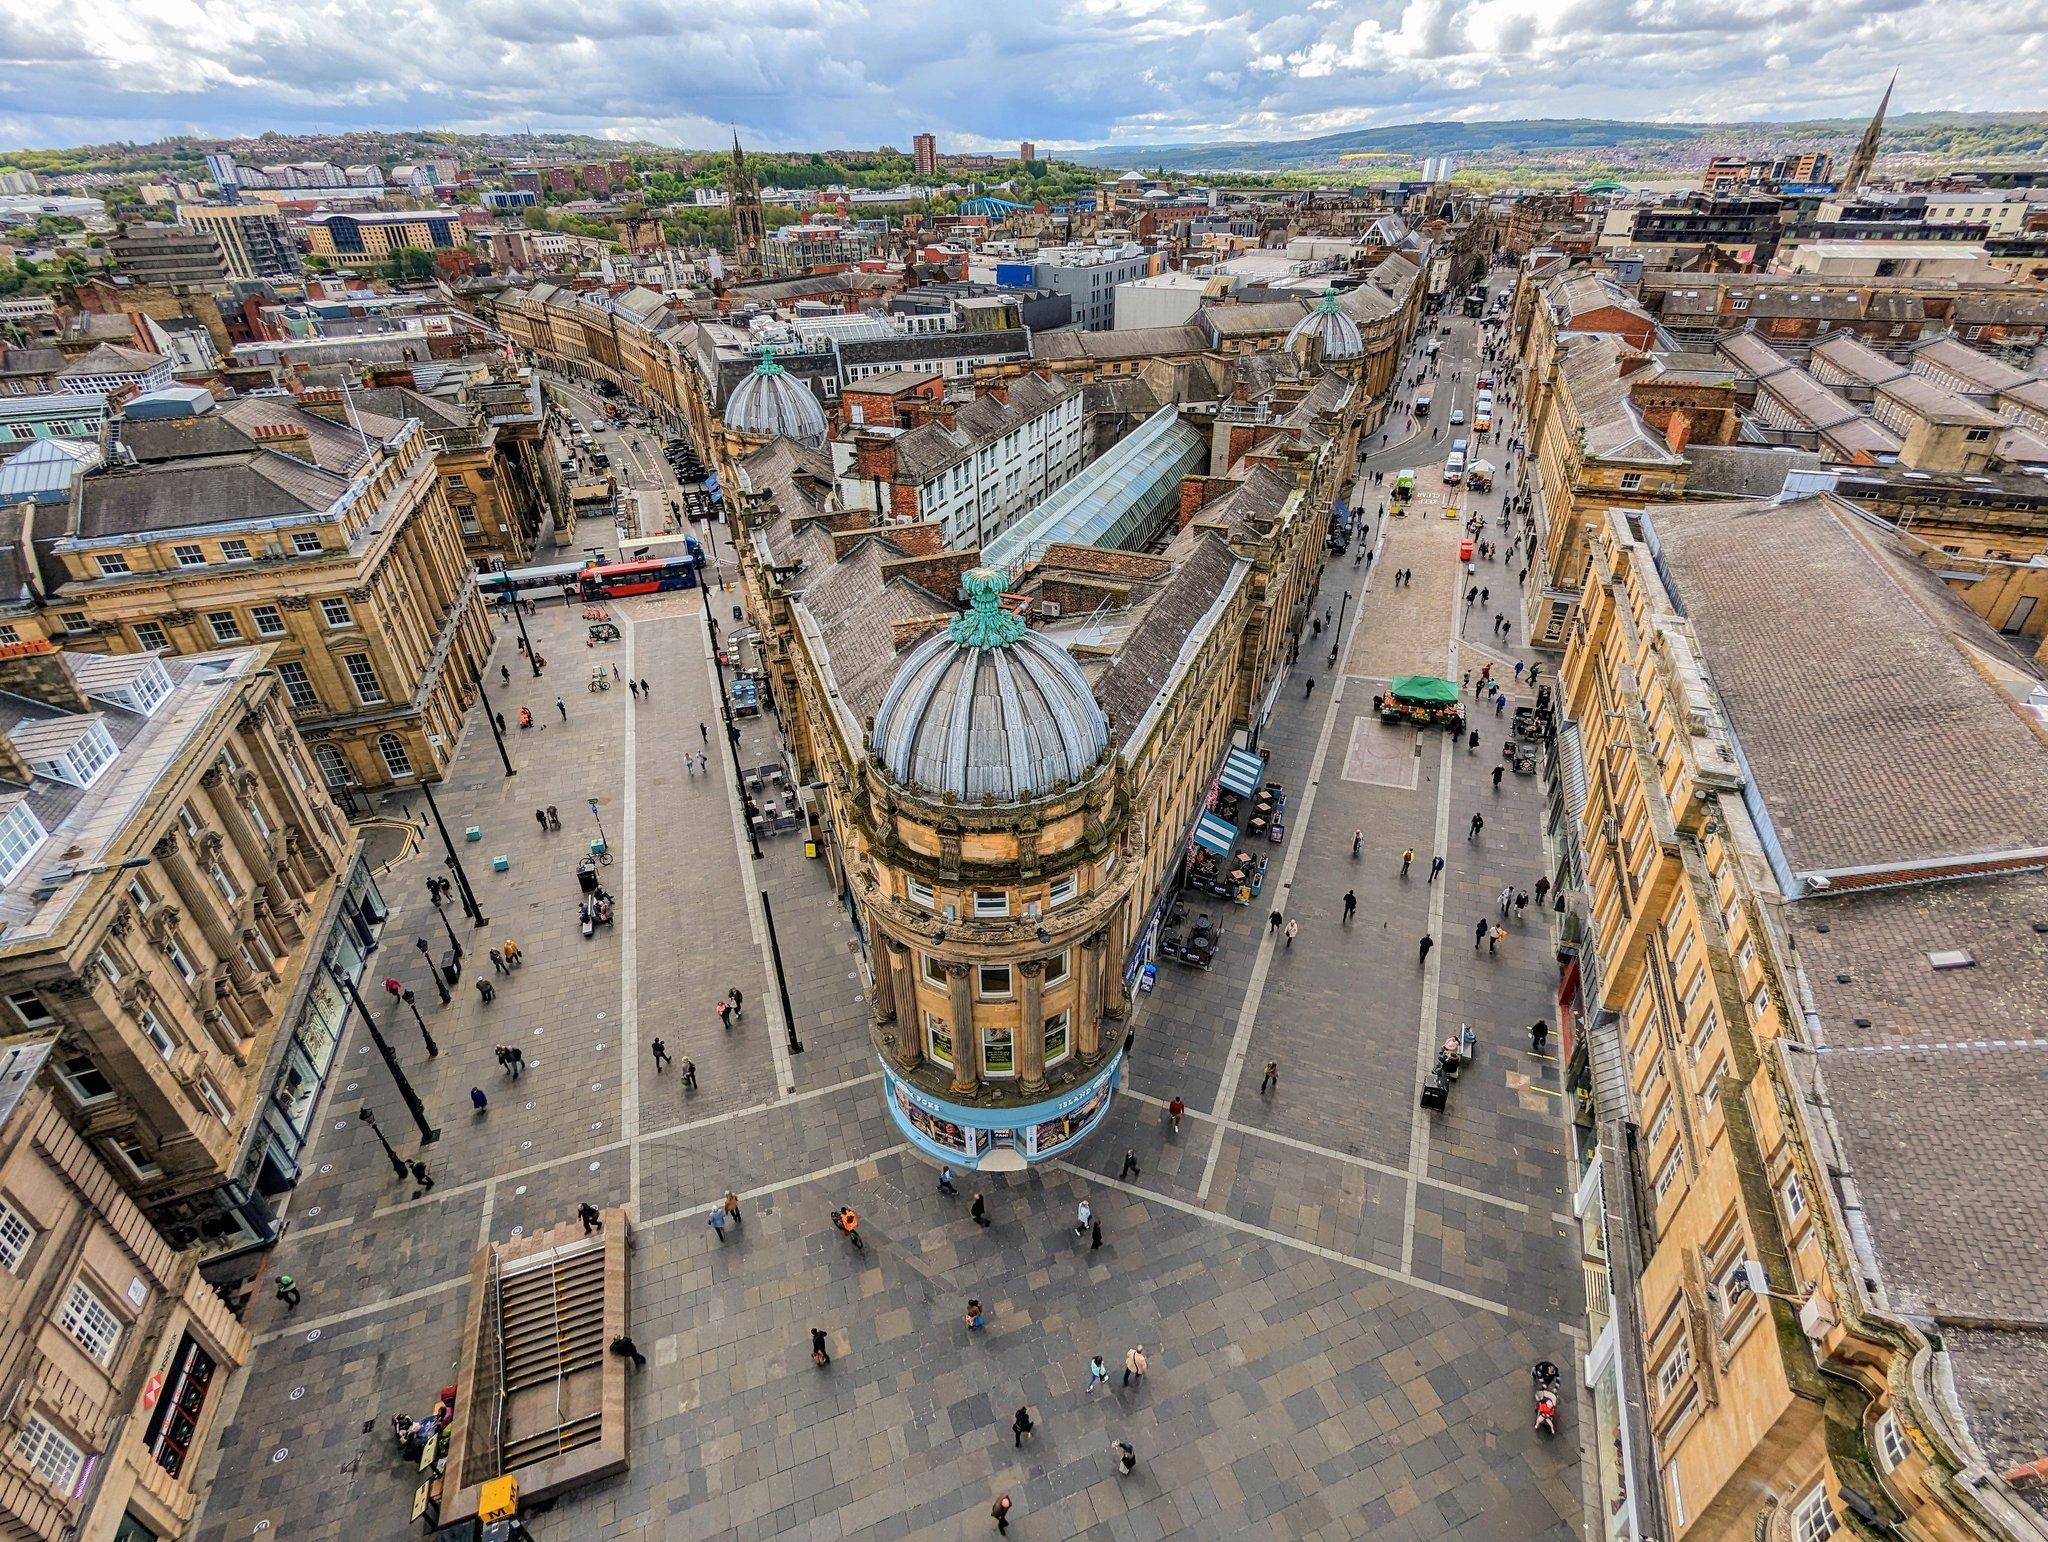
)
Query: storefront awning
[
  {"x": 1215, "y": 835},
  {"x": 1241, "y": 772}
]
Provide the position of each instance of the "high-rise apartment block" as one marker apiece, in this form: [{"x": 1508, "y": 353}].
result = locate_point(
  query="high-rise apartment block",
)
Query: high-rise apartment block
[{"x": 924, "y": 151}]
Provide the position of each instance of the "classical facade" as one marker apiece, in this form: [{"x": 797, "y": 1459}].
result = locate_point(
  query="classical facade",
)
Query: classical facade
[
  {"x": 1789, "y": 942},
  {"x": 175, "y": 879},
  {"x": 117, "y": 1353},
  {"x": 258, "y": 521}
]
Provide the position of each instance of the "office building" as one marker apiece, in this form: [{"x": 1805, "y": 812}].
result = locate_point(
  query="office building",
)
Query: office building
[
  {"x": 170, "y": 257},
  {"x": 253, "y": 239},
  {"x": 346, "y": 236},
  {"x": 1086, "y": 275}
]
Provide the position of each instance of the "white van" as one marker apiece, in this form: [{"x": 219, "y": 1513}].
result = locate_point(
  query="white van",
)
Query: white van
[{"x": 1454, "y": 468}]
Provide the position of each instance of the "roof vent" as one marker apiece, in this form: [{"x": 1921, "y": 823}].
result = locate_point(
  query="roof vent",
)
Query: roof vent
[{"x": 1952, "y": 958}]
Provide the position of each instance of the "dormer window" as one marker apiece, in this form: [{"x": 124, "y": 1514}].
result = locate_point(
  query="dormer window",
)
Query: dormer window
[
  {"x": 143, "y": 692},
  {"x": 20, "y": 834},
  {"x": 81, "y": 763}
]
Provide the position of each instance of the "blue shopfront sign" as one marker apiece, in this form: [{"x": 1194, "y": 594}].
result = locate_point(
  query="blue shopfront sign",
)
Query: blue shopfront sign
[{"x": 955, "y": 1132}]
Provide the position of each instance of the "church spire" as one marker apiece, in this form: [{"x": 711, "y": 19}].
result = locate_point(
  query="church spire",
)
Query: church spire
[{"x": 1866, "y": 148}]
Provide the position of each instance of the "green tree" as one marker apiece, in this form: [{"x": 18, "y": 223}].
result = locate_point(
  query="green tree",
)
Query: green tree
[{"x": 409, "y": 264}]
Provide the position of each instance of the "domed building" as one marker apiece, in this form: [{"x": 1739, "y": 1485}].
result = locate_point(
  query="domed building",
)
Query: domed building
[
  {"x": 771, "y": 403},
  {"x": 992, "y": 896},
  {"x": 1333, "y": 335}
]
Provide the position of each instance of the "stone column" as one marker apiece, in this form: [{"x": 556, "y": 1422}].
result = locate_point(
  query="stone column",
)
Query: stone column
[
  {"x": 1031, "y": 1032},
  {"x": 199, "y": 901},
  {"x": 885, "y": 978},
  {"x": 1087, "y": 1024},
  {"x": 1113, "y": 1000},
  {"x": 256, "y": 853},
  {"x": 966, "y": 1043}
]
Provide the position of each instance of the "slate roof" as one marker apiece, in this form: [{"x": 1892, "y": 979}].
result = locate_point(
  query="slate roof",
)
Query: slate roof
[
  {"x": 1845, "y": 667},
  {"x": 24, "y": 363},
  {"x": 177, "y": 495},
  {"x": 1133, "y": 343},
  {"x": 333, "y": 446},
  {"x": 1144, "y": 663},
  {"x": 1254, "y": 503},
  {"x": 932, "y": 448},
  {"x": 113, "y": 359},
  {"x": 1743, "y": 471},
  {"x": 160, "y": 439},
  {"x": 1856, "y": 359},
  {"x": 1983, "y": 372},
  {"x": 1613, "y": 430},
  {"x": 1251, "y": 320}
]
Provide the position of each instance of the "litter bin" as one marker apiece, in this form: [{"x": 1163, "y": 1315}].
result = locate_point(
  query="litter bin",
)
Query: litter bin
[{"x": 451, "y": 967}]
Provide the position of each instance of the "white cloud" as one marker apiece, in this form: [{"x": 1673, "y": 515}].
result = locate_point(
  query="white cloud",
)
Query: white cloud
[{"x": 797, "y": 73}]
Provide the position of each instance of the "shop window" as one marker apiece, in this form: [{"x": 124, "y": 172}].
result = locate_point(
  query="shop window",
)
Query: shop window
[
  {"x": 938, "y": 1039},
  {"x": 91, "y": 1322},
  {"x": 54, "y": 1458},
  {"x": 1056, "y": 1042},
  {"x": 86, "y": 1082},
  {"x": 998, "y": 1052},
  {"x": 16, "y": 1236},
  {"x": 993, "y": 982}
]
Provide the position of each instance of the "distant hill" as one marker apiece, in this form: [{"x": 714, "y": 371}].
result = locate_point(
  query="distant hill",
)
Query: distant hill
[{"x": 1963, "y": 135}]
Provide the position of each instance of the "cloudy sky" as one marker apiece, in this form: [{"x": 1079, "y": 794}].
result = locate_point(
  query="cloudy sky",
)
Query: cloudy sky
[{"x": 820, "y": 73}]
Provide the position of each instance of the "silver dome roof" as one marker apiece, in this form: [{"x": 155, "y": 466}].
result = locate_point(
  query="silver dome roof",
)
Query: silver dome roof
[
  {"x": 988, "y": 708},
  {"x": 1337, "y": 332},
  {"x": 772, "y": 403}
]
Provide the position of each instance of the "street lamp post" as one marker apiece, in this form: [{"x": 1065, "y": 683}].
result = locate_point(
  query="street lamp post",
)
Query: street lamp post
[
  {"x": 469, "y": 904},
  {"x": 519, "y": 615},
  {"x": 739, "y": 779},
  {"x": 796, "y": 1045},
  {"x": 1341, "y": 609},
  {"x": 412, "y": 1001},
  {"x": 602, "y": 839},
  {"x": 369, "y": 1117},
  {"x": 491, "y": 718},
  {"x": 428, "y": 1134}
]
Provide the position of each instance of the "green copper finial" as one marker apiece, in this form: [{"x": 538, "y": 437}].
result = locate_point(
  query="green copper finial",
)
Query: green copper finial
[
  {"x": 1329, "y": 305},
  {"x": 985, "y": 624},
  {"x": 767, "y": 366}
]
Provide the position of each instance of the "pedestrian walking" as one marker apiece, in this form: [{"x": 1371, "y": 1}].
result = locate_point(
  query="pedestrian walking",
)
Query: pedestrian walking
[
  {"x": 498, "y": 962},
  {"x": 554, "y": 819},
  {"x": 1479, "y": 931},
  {"x": 1134, "y": 1364},
  {"x": 514, "y": 954},
  {"x": 1095, "y": 1227},
  {"x": 946, "y": 1183},
  {"x": 1478, "y": 823},
  {"x": 1500, "y": 935},
  {"x": 1293, "y": 926},
  {"x": 660, "y": 1055},
  {"x": 586, "y": 1212},
  {"x": 820, "y": 1355},
  {"x": 1098, "y": 1374},
  {"x": 731, "y": 1204},
  {"x": 1500, "y": 704},
  {"x": 421, "y": 1176},
  {"x": 562, "y": 707},
  {"x": 1407, "y": 861},
  {"x": 624, "y": 1347},
  {"x": 975, "y": 1318},
  {"x": 1082, "y": 1216},
  {"x": 689, "y": 1074},
  {"x": 1521, "y": 901},
  {"x": 1308, "y": 687},
  {"x": 1542, "y": 887},
  {"x": 1496, "y": 778},
  {"x": 1350, "y": 905},
  {"x": 1021, "y": 1425},
  {"x": 1507, "y": 898},
  {"x": 504, "y": 1058},
  {"x": 1539, "y": 1035},
  {"x": 1273, "y": 922},
  {"x": 634, "y": 687},
  {"x": 704, "y": 733},
  {"x": 716, "y": 1221},
  {"x": 1271, "y": 1079},
  {"x": 739, "y": 1003},
  {"x": 646, "y": 690},
  {"x": 541, "y": 818},
  {"x": 1001, "y": 1512},
  {"x": 978, "y": 1211},
  {"x": 1436, "y": 866},
  {"x": 485, "y": 989},
  {"x": 518, "y": 1062},
  {"x": 1130, "y": 1167},
  {"x": 287, "y": 1291},
  {"x": 1422, "y": 949},
  {"x": 1126, "y": 1456},
  {"x": 478, "y": 1101}
]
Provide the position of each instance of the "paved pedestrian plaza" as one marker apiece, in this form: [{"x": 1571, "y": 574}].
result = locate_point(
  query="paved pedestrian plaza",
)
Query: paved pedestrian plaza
[{"x": 1339, "y": 1294}]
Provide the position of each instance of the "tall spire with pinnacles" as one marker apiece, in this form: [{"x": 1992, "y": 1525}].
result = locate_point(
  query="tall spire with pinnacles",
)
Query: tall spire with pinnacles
[{"x": 1866, "y": 148}]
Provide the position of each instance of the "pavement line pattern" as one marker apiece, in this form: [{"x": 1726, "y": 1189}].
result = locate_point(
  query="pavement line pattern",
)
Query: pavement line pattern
[
  {"x": 300, "y": 1329},
  {"x": 1432, "y": 975},
  {"x": 629, "y": 954},
  {"x": 1202, "y": 1212},
  {"x": 816, "y": 1175},
  {"x": 1367, "y": 1164},
  {"x": 1255, "y": 990},
  {"x": 785, "y": 1082}
]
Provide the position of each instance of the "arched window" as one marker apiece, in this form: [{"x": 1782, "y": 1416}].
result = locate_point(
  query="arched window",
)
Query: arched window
[
  {"x": 332, "y": 766},
  {"x": 396, "y": 761}
]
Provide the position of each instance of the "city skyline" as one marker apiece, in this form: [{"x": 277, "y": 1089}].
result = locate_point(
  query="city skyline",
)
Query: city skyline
[{"x": 804, "y": 74}]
